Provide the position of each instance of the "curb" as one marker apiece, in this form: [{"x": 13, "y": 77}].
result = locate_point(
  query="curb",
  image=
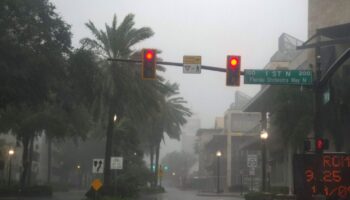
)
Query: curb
[{"x": 220, "y": 195}]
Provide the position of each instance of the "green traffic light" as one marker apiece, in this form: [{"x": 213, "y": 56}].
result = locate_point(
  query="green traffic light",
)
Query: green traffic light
[{"x": 166, "y": 168}]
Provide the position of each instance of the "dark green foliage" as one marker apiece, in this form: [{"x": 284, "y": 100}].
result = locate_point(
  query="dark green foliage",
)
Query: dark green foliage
[
  {"x": 238, "y": 188},
  {"x": 178, "y": 162},
  {"x": 279, "y": 189},
  {"x": 152, "y": 190},
  {"x": 31, "y": 191},
  {"x": 258, "y": 196},
  {"x": 291, "y": 114},
  {"x": 33, "y": 42}
]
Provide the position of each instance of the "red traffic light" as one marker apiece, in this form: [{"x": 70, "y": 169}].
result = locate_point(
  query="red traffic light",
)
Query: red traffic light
[
  {"x": 234, "y": 62},
  {"x": 319, "y": 144},
  {"x": 233, "y": 70},
  {"x": 149, "y": 54},
  {"x": 149, "y": 63}
]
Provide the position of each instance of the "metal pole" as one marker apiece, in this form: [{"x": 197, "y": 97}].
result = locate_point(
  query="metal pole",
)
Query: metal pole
[
  {"x": 251, "y": 183},
  {"x": 241, "y": 183},
  {"x": 263, "y": 165},
  {"x": 211, "y": 68},
  {"x": 218, "y": 179},
  {"x": 10, "y": 171},
  {"x": 317, "y": 120}
]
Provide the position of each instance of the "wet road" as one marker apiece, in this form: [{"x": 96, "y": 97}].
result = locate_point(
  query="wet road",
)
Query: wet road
[
  {"x": 175, "y": 194},
  {"x": 71, "y": 195}
]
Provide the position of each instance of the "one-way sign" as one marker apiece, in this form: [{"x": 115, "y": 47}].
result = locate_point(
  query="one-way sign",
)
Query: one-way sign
[{"x": 97, "y": 165}]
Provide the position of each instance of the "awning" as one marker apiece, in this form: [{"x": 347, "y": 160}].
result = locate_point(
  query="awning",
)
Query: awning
[{"x": 339, "y": 34}]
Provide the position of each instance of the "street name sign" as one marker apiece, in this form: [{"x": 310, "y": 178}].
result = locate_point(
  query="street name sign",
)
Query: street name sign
[
  {"x": 97, "y": 165},
  {"x": 278, "y": 77},
  {"x": 116, "y": 162},
  {"x": 192, "y": 64},
  {"x": 333, "y": 170}
]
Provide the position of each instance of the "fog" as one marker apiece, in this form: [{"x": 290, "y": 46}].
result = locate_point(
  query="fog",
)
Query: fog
[{"x": 211, "y": 29}]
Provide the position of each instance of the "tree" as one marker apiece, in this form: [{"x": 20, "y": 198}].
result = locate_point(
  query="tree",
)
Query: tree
[
  {"x": 291, "y": 114},
  {"x": 36, "y": 93},
  {"x": 33, "y": 43},
  {"x": 122, "y": 90},
  {"x": 179, "y": 163},
  {"x": 169, "y": 119}
]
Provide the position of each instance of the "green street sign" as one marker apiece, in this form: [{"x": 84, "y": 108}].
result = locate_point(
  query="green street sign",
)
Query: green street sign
[{"x": 278, "y": 77}]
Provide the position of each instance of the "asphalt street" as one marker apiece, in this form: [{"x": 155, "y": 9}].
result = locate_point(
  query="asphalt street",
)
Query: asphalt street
[
  {"x": 176, "y": 194},
  {"x": 171, "y": 194}
]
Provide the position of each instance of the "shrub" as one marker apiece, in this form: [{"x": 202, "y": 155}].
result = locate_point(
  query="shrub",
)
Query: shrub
[
  {"x": 238, "y": 188},
  {"x": 30, "y": 191},
  {"x": 279, "y": 189},
  {"x": 37, "y": 191},
  {"x": 154, "y": 190},
  {"x": 258, "y": 196}
]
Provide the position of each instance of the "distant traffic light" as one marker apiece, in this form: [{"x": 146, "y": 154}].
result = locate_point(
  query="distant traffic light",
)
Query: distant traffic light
[
  {"x": 149, "y": 63},
  {"x": 233, "y": 70},
  {"x": 166, "y": 167},
  {"x": 317, "y": 145},
  {"x": 321, "y": 144}
]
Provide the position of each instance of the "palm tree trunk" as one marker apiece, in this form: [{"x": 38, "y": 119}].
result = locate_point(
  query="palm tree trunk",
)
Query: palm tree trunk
[
  {"x": 157, "y": 163},
  {"x": 25, "y": 161},
  {"x": 152, "y": 162},
  {"x": 108, "y": 152},
  {"x": 49, "y": 156},
  {"x": 31, "y": 151},
  {"x": 151, "y": 157}
]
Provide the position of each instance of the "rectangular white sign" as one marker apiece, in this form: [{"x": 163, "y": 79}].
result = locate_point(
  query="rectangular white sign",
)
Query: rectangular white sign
[
  {"x": 192, "y": 64},
  {"x": 116, "y": 162},
  {"x": 97, "y": 165}
]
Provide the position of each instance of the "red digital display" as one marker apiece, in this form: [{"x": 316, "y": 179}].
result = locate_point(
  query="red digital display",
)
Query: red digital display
[{"x": 333, "y": 170}]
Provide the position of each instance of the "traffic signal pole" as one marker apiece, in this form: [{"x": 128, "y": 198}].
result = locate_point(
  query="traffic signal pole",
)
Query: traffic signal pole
[
  {"x": 211, "y": 68},
  {"x": 318, "y": 130}
]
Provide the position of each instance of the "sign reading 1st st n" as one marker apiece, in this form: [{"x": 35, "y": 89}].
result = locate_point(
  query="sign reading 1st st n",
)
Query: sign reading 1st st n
[{"x": 278, "y": 77}]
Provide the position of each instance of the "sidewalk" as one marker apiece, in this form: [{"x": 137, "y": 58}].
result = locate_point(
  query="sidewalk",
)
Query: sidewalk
[{"x": 223, "y": 194}]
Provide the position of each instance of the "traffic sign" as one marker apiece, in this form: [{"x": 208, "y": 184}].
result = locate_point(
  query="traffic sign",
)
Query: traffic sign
[
  {"x": 192, "y": 64},
  {"x": 116, "y": 162},
  {"x": 252, "y": 160},
  {"x": 278, "y": 77},
  {"x": 97, "y": 165},
  {"x": 332, "y": 170},
  {"x": 96, "y": 184}
]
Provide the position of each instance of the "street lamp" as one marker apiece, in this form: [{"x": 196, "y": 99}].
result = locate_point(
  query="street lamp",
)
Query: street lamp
[
  {"x": 218, "y": 155},
  {"x": 264, "y": 135},
  {"x": 115, "y": 118},
  {"x": 11, "y": 153}
]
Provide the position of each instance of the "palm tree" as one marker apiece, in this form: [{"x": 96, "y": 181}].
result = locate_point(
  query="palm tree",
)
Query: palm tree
[
  {"x": 122, "y": 92},
  {"x": 169, "y": 119}
]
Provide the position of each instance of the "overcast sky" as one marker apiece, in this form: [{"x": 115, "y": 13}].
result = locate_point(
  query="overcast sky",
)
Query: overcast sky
[{"x": 209, "y": 28}]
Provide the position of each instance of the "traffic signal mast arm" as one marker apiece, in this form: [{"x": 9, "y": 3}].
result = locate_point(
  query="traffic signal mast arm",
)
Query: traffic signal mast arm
[{"x": 218, "y": 69}]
